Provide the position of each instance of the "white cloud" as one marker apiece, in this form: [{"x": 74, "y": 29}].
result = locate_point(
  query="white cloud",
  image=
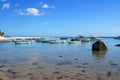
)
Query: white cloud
[
  {"x": 6, "y": 6},
  {"x": 45, "y": 6},
  {"x": 33, "y": 11},
  {"x": 30, "y": 11}
]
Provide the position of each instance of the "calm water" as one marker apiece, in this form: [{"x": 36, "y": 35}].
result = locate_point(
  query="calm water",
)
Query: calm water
[{"x": 43, "y": 59}]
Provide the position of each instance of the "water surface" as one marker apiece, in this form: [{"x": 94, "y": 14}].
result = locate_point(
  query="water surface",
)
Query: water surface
[{"x": 44, "y": 61}]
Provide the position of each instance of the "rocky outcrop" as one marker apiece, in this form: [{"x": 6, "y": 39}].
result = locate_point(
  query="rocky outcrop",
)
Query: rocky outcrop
[
  {"x": 99, "y": 46},
  {"x": 117, "y": 45}
]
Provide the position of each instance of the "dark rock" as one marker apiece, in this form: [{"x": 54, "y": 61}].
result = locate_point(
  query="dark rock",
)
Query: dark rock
[
  {"x": 117, "y": 45},
  {"x": 64, "y": 63},
  {"x": 85, "y": 64},
  {"x": 108, "y": 74},
  {"x": 113, "y": 64},
  {"x": 83, "y": 70},
  {"x": 60, "y": 77},
  {"x": 76, "y": 59},
  {"x": 34, "y": 63},
  {"x": 60, "y": 56},
  {"x": 1, "y": 66},
  {"x": 78, "y": 66},
  {"x": 99, "y": 46},
  {"x": 56, "y": 72}
]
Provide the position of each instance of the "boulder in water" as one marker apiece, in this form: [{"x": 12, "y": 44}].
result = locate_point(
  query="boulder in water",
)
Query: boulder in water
[{"x": 99, "y": 46}]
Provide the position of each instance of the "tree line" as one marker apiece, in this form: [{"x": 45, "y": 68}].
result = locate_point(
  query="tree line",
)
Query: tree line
[{"x": 1, "y": 33}]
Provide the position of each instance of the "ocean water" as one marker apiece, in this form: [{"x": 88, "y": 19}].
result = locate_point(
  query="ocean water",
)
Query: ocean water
[{"x": 44, "y": 61}]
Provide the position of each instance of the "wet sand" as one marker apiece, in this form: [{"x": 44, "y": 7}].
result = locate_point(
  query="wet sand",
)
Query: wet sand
[{"x": 32, "y": 69}]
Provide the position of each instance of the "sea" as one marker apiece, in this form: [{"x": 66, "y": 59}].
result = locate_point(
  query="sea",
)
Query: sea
[{"x": 44, "y": 61}]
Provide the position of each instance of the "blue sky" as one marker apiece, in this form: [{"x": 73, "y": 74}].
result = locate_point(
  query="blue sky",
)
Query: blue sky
[{"x": 60, "y": 17}]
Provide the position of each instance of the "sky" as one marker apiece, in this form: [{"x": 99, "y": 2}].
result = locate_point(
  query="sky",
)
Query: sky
[{"x": 60, "y": 17}]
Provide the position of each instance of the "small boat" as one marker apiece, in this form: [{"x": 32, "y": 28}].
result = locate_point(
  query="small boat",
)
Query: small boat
[
  {"x": 75, "y": 42},
  {"x": 118, "y": 37},
  {"x": 85, "y": 39},
  {"x": 63, "y": 38},
  {"x": 95, "y": 38},
  {"x": 57, "y": 42},
  {"x": 47, "y": 41},
  {"x": 22, "y": 42},
  {"x": 39, "y": 39}
]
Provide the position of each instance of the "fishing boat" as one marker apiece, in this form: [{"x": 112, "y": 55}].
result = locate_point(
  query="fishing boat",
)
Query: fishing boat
[
  {"x": 75, "y": 42},
  {"x": 40, "y": 39},
  {"x": 95, "y": 38},
  {"x": 85, "y": 39},
  {"x": 22, "y": 42},
  {"x": 47, "y": 41},
  {"x": 63, "y": 38},
  {"x": 57, "y": 42}
]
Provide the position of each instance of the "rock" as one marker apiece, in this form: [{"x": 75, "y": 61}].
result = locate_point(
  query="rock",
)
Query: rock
[
  {"x": 99, "y": 46},
  {"x": 108, "y": 74},
  {"x": 76, "y": 59},
  {"x": 117, "y": 45},
  {"x": 1, "y": 66}
]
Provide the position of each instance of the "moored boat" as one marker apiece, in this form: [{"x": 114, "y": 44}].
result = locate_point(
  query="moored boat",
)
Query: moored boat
[
  {"x": 63, "y": 38},
  {"x": 75, "y": 42},
  {"x": 22, "y": 42},
  {"x": 57, "y": 42},
  {"x": 85, "y": 39},
  {"x": 95, "y": 38},
  {"x": 39, "y": 39}
]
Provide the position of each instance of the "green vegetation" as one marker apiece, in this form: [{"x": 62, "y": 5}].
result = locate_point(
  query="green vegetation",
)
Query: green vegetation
[{"x": 1, "y": 33}]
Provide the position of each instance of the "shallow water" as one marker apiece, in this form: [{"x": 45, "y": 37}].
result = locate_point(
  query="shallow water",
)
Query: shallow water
[{"x": 44, "y": 61}]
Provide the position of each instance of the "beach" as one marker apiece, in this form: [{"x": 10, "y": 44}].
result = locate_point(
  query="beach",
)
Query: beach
[{"x": 44, "y": 61}]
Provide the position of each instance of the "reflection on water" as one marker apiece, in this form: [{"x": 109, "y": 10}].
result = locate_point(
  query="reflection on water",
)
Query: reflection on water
[{"x": 99, "y": 54}]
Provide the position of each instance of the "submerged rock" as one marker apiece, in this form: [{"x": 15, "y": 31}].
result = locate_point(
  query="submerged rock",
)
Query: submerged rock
[
  {"x": 99, "y": 46},
  {"x": 1, "y": 66}
]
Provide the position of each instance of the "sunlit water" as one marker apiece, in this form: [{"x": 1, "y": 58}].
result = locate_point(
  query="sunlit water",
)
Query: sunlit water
[{"x": 44, "y": 61}]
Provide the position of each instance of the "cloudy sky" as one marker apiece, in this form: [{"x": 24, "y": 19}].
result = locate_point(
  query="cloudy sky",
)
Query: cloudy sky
[{"x": 60, "y": 17}]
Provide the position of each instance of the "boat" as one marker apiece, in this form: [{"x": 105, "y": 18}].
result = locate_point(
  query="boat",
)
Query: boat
[
  {"x": 22, "y": 42},
  {"x": 57, "y": 42},
  {"x": 63, "y": 38},
  {"x": 47, "y": 41},
  {"x": 85, "y": 39},
  {"x": 118, "y": 37},
  {"x": 95, "y": 38},
  {"x": 75, "y": 42},
  {"x": 40, "y": 39}
]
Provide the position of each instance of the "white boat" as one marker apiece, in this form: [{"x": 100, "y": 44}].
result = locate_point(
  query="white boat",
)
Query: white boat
[
  {"x": 22, "y": 42},
  {"x": 40, "y": 39},
  {"x": 47, "y": 41},
  {"x": 74, "y": 42},
  {"x": 57, "y": 42},
  {"x": 95, "y": 38},
  {"x": 85, "y": 39}
]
